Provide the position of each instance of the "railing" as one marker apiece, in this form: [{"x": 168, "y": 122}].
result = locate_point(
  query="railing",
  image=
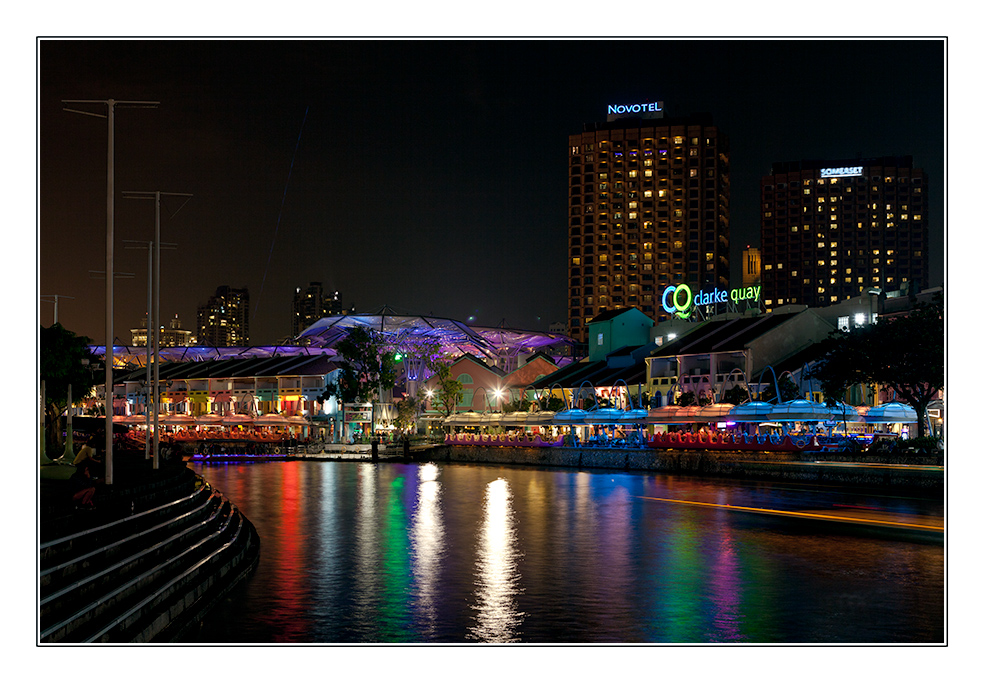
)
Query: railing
[{"x": 117, "y": 582}]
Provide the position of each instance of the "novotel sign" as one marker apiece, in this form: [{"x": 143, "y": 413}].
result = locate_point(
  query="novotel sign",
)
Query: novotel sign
[
  {"x": 646, "y": 110},
  {"x": 841, "y": 172},
  {"x": 679, "y": 300}
]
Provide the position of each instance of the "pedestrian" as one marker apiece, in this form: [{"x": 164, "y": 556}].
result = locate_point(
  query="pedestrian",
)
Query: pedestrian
[
  {"x": 89, "y": 456},
  {"x": 83, "y": 488}
]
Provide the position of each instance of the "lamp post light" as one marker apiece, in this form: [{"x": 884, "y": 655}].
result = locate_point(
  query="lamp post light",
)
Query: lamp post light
[
  {"x": 156, "y": 196},
  {"x": 56, "y": 297},
  {"x": 111, "y": 106}
]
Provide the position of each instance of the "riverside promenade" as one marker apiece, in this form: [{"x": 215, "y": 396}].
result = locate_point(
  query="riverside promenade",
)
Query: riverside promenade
[{"x": 924, "y": 472}]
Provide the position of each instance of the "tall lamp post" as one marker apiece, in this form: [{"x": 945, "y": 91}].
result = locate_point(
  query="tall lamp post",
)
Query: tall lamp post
[
  {"x": 111, "y": 106},
  {"x": 156, "y": 196},
  {"x": 55, "y": 297}
]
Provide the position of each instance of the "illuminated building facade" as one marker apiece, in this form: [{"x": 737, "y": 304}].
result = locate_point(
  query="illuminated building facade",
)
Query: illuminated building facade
[
  {"x": 224, "y": 319},
  {"x": 831, "y": 230},
  {"x": 311, "y": 304},
  {"x": 751, "y": 266},
  {"x": 647, "y": 207},
  {"x": 170, "y": 336}
]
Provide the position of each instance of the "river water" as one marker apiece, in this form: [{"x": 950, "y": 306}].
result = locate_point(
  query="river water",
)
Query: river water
[{"x": 356, "y": 552}]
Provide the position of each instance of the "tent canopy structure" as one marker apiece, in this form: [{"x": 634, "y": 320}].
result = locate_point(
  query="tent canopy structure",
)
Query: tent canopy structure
[
  {"x": 450, "y": 336},
  {"x": 404, "y": 332}
]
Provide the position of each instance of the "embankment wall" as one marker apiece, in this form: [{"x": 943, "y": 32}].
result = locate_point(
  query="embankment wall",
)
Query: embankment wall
[{"x": 913, "y": 471}]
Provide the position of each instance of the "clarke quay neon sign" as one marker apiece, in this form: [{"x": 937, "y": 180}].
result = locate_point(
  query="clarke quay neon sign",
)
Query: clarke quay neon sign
[
  {"x": 679, "y": 300},
  {"x": 841, "y": 172}
]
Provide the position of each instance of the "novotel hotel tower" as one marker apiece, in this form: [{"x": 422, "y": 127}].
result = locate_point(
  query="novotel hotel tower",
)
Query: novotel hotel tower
[
  {"x": 647, "y": 208},
  {"x": 832, "y": 230}
]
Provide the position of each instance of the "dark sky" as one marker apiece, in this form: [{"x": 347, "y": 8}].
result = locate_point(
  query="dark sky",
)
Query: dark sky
[{"x": 429, "y": 176}]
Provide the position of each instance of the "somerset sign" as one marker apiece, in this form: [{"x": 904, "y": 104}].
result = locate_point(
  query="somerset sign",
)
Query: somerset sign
[{"x": 841, "y": 172}]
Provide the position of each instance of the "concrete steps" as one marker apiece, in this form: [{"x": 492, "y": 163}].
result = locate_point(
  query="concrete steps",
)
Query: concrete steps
[{"x": 145, "y": 576}]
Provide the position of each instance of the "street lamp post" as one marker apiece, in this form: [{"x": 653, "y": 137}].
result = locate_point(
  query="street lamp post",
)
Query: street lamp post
[
  {"x": 56, "y": 297},
  {"x": 111, "y": 106},
  {"x": 156, "y": 196}
]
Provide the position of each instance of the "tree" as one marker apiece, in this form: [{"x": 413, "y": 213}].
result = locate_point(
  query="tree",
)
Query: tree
[
  {"x": 736, "y": 395},
  {"x": 449, "y": 390},
  {"x": 406, "y": 414},
  {"x": 904, "y": 353},
  {"x": 366, "y": 368},
  {"x": 787, "y": 390},
  {"x": 65, "y": 360}
]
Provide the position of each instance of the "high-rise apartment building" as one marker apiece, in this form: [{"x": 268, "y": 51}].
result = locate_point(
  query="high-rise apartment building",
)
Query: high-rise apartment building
[
  {"x": 832, "y": 230},
  {"x": 169, "y": 336},
  {"x": 751, "y": 266},
  {"x": 311, "y": 305},
  {"x": 224, "y": 319},
  {"x": 647, "y": 208}
]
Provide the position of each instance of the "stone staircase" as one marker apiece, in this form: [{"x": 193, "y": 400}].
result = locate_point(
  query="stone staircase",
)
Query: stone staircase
[{"x": 146, "y": 575}]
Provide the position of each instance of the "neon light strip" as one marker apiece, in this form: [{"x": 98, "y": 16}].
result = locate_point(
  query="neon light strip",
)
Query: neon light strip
[{"x": 801, "y": 515}]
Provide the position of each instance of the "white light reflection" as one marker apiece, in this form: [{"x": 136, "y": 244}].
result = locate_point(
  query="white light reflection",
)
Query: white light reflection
[
  {"x": 497, "y": 571},
  {"x": 367, "y": 552},
  {"x": 427, "y": 540}
]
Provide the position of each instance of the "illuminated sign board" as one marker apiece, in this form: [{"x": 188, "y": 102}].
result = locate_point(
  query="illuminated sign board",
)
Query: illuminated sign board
[
  {"x": 680, "y": 301},
  {"x": 646, "y": 110},
  {"x": 841, "y": 172}
]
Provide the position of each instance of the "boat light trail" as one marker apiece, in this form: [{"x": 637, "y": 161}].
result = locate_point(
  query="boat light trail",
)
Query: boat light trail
[{"x": 802, "y": 515}]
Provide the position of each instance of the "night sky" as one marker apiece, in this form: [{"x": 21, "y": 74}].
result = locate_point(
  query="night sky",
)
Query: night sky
[{"x": 428, "y": 176}]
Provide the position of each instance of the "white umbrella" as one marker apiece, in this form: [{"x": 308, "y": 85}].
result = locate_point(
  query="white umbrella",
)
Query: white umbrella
[
  {"x": 604, "y": 416},
  {"x": 716, "y": 412},
  {"x": 176, "y": 419},
  {"x": 236, "y": 419},
  {"x": 801, "y": 410},
  {"x": 673, "y": 415},
  {"x": 541, "y": 417},
  {"x": 272, "y": 419},
  {"x": 844, "y": 413},
  {"x": 469, "y": 417},
  {"x": 891, "y": 413},
  {"x": 751, "y": 411},
  {"x": 210, "y": 419},
  {"x": 570, "y": 416},
  {"x": 514, "y": 419},
  {"x": 490, "y": 419},
  {"x": 635, "y": 416}
]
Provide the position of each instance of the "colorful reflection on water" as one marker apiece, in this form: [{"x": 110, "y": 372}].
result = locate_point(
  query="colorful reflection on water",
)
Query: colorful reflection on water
[{"x": 394, "y": 553}]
